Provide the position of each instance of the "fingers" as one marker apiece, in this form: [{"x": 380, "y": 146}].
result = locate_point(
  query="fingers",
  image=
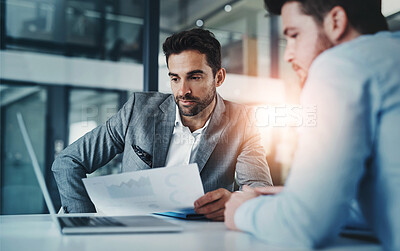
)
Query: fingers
[
  {"x": 211, "y": 207},
  {"x": 268, "y": 190},
  {"x": 212, "y": 204},
  {"x": 246, "y": 188},
  {"x": 217, "y": 215},
  {"x": 222, "y": 218},
  {"x": 242, "y": 196},
  {"x": 211, "y": 196},
  {"x": 207, "y": 198}
]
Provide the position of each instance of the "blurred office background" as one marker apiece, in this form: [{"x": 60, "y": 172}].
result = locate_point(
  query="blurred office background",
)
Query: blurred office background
[{"x": 68, "y": 65}]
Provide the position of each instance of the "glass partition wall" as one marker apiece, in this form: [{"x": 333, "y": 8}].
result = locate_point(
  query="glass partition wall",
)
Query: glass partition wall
[
  {"x": 85, "y": 109},
  {"x": 20, "y": 192},
  {"x": 78, "y": 60}
]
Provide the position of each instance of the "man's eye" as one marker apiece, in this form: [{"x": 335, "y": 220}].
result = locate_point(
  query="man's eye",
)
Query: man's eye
[
  {"x": 174, "y": 79},
  {"x": 293, "y": 35},
  {"x": 195, "y": 78}
]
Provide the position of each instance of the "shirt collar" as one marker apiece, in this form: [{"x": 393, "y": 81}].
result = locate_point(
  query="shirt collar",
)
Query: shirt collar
[{"x": 178, "y": 121}]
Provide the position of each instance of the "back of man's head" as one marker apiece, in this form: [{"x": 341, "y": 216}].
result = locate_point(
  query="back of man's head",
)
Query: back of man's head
[
  {"x": 364, "y": 15},
  {"x": 197, "y": 39}
]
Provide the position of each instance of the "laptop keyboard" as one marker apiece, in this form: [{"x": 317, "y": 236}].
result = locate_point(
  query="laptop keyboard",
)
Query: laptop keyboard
[{"x": 89, "y": 222}]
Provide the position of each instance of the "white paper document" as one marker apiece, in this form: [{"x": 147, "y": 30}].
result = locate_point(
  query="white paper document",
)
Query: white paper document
[{"x": 148, "y": 191}]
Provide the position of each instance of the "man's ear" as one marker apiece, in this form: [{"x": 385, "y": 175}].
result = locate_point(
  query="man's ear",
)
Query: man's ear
[
  {"x": 336, "y": 24},
  {"x": 220, "y": 77}
]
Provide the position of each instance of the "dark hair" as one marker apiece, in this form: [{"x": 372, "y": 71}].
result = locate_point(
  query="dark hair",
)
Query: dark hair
[
  {"x": 364, "y": 15},
  {"x": 197, "y": 39}
]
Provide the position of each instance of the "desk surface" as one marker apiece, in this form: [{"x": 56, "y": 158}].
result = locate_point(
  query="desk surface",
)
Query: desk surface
[{"x": 37, "y": 232}]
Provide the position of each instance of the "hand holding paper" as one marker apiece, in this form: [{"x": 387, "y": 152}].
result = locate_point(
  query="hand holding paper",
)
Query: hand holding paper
[{"x": 212, "y": 204}]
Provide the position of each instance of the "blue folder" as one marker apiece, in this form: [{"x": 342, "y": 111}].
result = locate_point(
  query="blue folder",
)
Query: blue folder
[{"x": 188, "y": 214}]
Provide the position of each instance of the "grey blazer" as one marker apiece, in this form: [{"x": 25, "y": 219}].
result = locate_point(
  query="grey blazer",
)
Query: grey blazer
[{"x": 142, "y": 131}]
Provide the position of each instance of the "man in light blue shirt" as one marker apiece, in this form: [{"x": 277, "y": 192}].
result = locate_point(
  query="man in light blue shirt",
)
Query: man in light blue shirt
[{"x": 350, "y": 70}]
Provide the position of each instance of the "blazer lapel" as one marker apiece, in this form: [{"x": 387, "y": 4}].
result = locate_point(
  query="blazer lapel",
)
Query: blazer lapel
[
  {"x": 211, "y": 136},
  {"x": 163, "y": 129}
]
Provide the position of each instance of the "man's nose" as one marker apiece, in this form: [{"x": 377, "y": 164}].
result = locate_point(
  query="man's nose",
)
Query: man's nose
[
  {"x": 288, "y": 55},
  {"x": 185, "y": 88}
]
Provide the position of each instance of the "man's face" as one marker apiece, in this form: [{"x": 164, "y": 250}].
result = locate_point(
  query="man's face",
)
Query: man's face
[
  {"x": 305, "y": 39},
  {"x": 192, "y": 81}
]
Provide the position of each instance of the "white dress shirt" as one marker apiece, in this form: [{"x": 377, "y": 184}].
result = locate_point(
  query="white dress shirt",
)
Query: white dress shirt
[{"x": 184, "y": 144}]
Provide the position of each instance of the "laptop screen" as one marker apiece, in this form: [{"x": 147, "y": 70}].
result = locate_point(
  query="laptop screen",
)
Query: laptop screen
[{"x": 37, "y": 170}]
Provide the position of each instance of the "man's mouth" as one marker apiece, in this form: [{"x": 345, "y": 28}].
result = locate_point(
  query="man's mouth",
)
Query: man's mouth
[
  {"x": 296, "y": 67},
  {"x": 299, "y": 71},
  {"x": 186, "y": 101}
]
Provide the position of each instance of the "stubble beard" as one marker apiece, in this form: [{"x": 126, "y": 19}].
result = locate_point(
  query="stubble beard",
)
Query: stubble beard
[
  {"x": 199, "y": 106},
  {"x": 322, "y": 45}
]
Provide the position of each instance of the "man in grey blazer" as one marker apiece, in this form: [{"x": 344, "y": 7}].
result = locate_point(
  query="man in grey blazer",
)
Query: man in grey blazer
[{"x": 192, "y": 125}]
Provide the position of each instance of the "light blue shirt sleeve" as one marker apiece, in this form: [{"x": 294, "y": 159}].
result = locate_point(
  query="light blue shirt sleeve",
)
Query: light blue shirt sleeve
[{"x": 328, "y": 163}]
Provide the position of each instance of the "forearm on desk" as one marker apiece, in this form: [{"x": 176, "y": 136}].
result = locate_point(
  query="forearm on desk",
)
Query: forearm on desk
[{"x": 68, "y": 175}]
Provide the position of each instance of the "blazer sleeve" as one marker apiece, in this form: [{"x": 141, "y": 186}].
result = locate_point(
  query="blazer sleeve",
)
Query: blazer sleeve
[
  {"x": 251, "y": 166},
  {"x": 87, "y": 154}
]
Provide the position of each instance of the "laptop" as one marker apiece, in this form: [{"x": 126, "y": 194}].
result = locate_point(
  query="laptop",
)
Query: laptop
[{"x": 70, "y": 224}]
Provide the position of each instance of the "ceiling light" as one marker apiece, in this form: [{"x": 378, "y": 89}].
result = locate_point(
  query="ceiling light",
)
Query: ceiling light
[
  {"x": 228, "y": 8},
  {"x": 199, "y": 23}
]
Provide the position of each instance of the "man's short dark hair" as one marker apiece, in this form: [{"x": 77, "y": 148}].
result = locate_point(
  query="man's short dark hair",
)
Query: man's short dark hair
[
  {"x": 364, "y": 15},
  {"x": 197, "y": 39}
]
